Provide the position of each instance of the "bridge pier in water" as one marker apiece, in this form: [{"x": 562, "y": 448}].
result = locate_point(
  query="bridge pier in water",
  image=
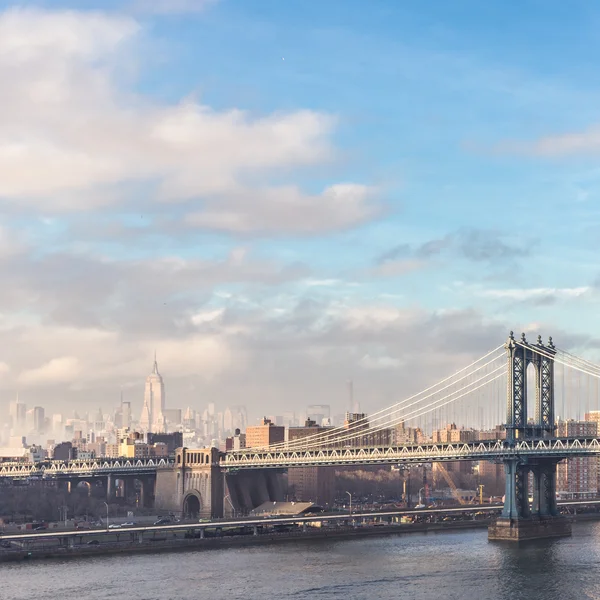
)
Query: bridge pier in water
[{"x": 520, "y": 521}]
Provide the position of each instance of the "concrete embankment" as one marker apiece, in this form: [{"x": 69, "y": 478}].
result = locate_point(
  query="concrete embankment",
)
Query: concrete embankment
[{"x": 164, "y": 544}]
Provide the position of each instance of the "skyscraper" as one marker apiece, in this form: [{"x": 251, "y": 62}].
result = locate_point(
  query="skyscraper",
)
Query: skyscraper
[
  {"x": 17, "y": 412},
  {"x": 152, "y": 418}
]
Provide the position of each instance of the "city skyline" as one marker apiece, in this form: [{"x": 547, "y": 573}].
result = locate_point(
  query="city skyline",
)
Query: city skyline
[{"x": 282, "y": 197}]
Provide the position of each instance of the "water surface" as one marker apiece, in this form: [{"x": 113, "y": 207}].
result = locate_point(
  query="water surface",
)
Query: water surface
[{"x": 448, "y": 566}]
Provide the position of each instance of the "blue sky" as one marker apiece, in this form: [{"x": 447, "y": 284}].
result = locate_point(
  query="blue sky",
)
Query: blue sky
[{"x": 423, "y": 170}]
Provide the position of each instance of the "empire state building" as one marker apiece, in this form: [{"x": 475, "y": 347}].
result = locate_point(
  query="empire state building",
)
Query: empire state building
[{"x": 152, "y": 418}]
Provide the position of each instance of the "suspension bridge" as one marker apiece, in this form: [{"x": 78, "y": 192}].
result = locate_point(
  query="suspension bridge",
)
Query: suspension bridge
[{"x": 506, "y": 406}]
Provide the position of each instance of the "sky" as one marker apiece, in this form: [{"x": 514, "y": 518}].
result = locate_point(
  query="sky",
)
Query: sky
[{"x": 280, "y": 197}]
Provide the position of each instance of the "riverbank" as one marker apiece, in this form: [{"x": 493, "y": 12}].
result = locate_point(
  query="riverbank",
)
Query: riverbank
[{"x": 164, "y": 544}]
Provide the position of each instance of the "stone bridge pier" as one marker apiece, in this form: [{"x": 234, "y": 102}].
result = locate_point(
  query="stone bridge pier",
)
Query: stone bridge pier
[
  {"x": 245, "y": 490},
  {"x": 193, "y": 487},
  {"x": 197, "y": 486}
]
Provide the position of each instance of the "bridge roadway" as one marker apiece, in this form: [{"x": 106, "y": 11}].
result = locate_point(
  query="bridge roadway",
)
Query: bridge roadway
[
  {"x": 258, "y": 521},
  {"x": 56, "y": 469},
  {"x": 493, "y": 450}
]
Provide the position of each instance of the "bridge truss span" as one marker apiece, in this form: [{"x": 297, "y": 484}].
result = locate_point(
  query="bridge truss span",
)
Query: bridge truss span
[
  {"x": 102, "y": 466},
  {"x": 491, "y": 450}
]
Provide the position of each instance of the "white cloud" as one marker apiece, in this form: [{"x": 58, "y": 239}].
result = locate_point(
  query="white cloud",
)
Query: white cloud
[
  {"x": 288, "y": 210},
  {"x": 72, "y": 137},
  {"x": 535, "y": 293},
  {"x": 379, "y": 362},
  {"x": 63, "y": 370},
  {"x": 566, "y": 144}
]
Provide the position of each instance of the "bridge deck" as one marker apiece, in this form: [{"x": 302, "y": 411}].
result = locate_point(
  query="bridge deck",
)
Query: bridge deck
[{"x": 492, "y": 450}]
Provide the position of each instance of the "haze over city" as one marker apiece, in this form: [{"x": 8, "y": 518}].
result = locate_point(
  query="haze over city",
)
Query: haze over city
[{"x": 251, "y": 190}]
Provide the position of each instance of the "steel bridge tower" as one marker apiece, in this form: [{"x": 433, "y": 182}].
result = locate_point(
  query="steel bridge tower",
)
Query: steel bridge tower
[{"x": 521, "y": 520}]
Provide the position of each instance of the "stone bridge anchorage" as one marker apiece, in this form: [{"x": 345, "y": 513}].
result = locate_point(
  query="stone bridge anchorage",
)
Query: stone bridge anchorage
[{"x": 198, "y": 485}]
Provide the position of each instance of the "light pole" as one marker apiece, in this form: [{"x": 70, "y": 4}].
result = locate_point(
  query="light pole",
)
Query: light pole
[
  {"x": 230, "y": 504},
  {"x": 106, "y": 504},
  {"x": 350, "y": 496}
]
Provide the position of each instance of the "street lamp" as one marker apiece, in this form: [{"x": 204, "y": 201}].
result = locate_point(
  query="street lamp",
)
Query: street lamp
[
  {"x": 350, "y": 495},
  {"x": 106, "y": 504}
]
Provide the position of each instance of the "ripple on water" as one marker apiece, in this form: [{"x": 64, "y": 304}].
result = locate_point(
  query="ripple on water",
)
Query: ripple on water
[{"x": 448, "y": 566}]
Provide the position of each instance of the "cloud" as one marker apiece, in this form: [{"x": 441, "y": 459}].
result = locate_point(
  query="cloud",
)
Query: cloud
[
  {"x": 396, "y": 268},
  {"x": 539, "y": 297},
  {"x": 288, "y": 210},
  {"x": 171, "y": 7},
  {"x": 63, "y": 370},
  {"x": 77, "y": 138},
  {"x": 476, "y": 245},
  {"x": 527, "y": 294},
  {"x": 138, "y": 296},
  {"x": 553, "y": 146}
]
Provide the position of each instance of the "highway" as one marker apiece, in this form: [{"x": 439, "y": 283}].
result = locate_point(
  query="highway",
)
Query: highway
[{"x": 261, "y": 521}]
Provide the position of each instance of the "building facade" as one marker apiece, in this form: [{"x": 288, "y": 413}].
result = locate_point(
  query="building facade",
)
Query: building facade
[{"x": 264, "y": 435}]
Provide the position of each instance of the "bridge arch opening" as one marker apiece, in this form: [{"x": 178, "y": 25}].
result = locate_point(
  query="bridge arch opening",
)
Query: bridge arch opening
[
  {"x": 84, "y": 487},
  {"x": 191, "y": 506}
]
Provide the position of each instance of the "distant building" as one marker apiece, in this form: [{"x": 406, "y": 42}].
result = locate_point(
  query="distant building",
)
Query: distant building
[
  {"x": 314, "y": 484},
  {"x": 359, "y": 433},
  {"x": 452, "y": 434},
  {"x": 17, "y": 413},
  {"x": 264, "y": 435},
  {"x": 64, "y": 451},
  {"x": 173, "y": 417},
  {"x": 152, "y": 417},
  {"x": 236, "y": 442},
  {"x": 577, "y": 477},
  {"x": 171, "y": 440}
]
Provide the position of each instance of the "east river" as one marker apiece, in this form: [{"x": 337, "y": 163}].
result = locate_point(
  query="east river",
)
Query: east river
[{"x": 447, "y": 566}]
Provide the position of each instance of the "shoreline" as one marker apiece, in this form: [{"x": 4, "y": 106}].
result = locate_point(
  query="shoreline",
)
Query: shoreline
[
  {"x": 179, "y": 545},
  {"x": 182, "y": 545}
]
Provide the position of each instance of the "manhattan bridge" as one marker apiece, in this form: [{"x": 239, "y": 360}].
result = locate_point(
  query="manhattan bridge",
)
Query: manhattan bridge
[
  {"x": 528, "y": 382},
  {"x": 528, "y": 387}
]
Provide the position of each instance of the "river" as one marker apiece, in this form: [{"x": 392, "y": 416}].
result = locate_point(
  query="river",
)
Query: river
[{"x": 446, "y": 565}]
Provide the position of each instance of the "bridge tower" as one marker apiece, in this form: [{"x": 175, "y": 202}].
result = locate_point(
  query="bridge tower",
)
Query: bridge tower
[{"x": 519, "y": 519}]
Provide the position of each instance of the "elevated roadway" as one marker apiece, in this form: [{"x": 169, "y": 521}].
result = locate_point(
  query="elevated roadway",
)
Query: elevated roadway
[{"x": 262, "y": 521}]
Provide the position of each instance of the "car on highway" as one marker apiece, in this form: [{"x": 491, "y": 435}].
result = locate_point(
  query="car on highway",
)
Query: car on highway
[
  {"x": 40, "y": 528},
  {"x": 129, "y": 524},
  {"x": 114, "y": 526},
  {"x": 163, "y": 521},
  {"x": 93, "y": 543}
]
